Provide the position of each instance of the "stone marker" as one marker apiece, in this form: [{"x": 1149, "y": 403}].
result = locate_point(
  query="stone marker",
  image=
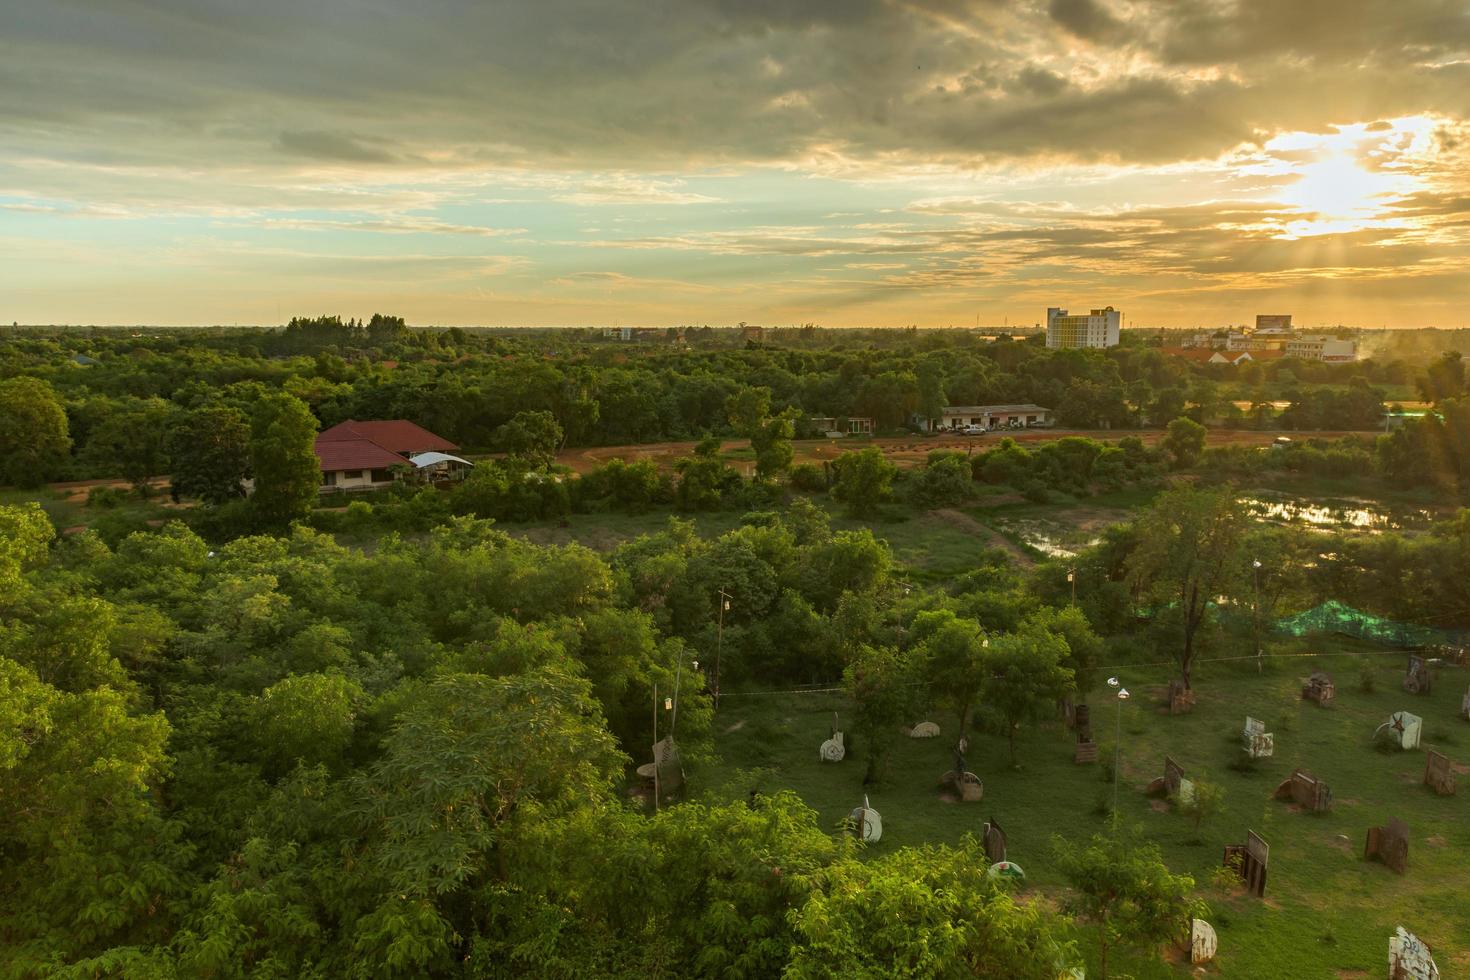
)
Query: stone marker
[
  {"x": 1250, "y": 861},
  {"x": 1408, "y": 957},
  {"x": 924, "y": 729},
  {"x": 995, "y": 841},
  {"x": 966, "y": 785},
  {"x": 1172, "y": 784},
  {"x": 1086, "y": 752},
  {"x": 1416, "y": 677},
  {"x": 1082, "y": 722},
  {"x": 1439, "y": 775},
  {"x": 1465, "y": 706},
  {"x": 1306, "y": 790},
  {"x": 1202, "y": 941},
  {"x": 1402, "y": 729},
  {"x": 668, "y": 768},
  {"x": 1258, "y": 743},
  {"x": 833, "y": 750},
  {"x": 1389, "y": 844},
  {"x": 1319, "y": 688},
  {"x": 866, "y": 823}
]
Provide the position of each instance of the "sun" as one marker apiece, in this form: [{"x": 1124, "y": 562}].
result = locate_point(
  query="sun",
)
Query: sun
[{"x": 1350, "y": 180}]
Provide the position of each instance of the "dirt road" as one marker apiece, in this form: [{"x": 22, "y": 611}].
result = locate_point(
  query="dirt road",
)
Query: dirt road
[{"x": 907, "y": 451}]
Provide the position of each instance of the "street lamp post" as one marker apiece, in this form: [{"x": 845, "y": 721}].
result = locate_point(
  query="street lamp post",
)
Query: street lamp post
[
  {"x": 1072, "y": 580},
  {"x": 1113, "y": 682},
  {"x": 1256, "y": 611},
  {"x": 720, "y": 643}
]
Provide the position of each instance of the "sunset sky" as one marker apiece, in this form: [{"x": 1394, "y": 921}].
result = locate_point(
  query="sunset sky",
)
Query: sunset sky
[{"x": 844, "y": 162}]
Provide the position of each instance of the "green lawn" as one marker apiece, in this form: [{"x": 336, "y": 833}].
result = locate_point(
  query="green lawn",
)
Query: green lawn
[{"x": 1327, "y": 912}]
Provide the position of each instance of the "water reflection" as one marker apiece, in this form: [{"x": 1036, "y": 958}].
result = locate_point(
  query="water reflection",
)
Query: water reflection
[{"x": 1333, "y": 514}]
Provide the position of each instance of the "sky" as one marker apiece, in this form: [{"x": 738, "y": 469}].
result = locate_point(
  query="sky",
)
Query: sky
[{"x": 661, "y": 162}]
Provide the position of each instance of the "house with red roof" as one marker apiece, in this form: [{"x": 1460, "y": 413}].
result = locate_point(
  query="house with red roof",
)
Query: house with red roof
[{"x": 361, "y": 455}]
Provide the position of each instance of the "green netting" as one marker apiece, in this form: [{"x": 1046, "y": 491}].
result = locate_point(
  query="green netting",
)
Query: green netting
[{"x": 1336, "y": 617}]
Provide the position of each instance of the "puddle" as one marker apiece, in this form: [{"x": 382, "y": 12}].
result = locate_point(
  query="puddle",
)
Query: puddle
[{"x": 1048, "y": 538}]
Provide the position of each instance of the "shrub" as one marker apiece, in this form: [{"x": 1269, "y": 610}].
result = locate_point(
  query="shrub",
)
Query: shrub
[{"x": 808, "y": 478}]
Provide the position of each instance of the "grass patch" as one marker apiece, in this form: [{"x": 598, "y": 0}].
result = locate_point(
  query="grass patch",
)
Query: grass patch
[{"x": 1327, "y": 910}]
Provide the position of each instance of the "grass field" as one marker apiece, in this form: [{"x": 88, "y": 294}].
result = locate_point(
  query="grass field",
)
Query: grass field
[{"x": 1327, "y": 912}]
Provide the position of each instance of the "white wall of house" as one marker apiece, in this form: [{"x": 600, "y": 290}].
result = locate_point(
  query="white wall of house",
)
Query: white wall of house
[{"x": 355, "y": 480}]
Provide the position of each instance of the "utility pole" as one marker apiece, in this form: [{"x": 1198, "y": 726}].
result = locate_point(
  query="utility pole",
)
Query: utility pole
[
  {"x": 1072, "y": 578},
  {"x": 655, "y": 746},
  {"x": 720, "y": 643}
]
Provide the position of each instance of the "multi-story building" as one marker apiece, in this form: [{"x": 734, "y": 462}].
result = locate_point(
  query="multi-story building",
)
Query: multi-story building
[
  {"x": 1322, "y": 347},
  {"x": 1098, "y": 328}
]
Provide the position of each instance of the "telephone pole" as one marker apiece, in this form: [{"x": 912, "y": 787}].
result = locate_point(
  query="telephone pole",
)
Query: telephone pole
[{"x": 720, "y": 642}]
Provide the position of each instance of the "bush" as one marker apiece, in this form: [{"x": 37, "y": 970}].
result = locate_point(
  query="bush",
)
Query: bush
[
  {"x": 808, "y": 478},
  {"x": 106, "y": 498}
]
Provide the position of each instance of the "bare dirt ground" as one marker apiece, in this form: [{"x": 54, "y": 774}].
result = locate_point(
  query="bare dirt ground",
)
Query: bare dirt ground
[
  {"x": 76, "y": 491},
  {"x": 906, "y": 451}
]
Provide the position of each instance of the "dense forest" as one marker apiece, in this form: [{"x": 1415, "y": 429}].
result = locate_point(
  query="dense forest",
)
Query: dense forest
[{"x": 260, "y": 738}]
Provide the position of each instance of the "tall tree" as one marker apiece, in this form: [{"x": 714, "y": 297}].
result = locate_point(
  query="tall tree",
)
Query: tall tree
[
  {"x": 134, "y": 441},
  {"x": 880, "y": 681},
  {"x": 863, "y": 479},
  {"x": 1188, "y": 555},
  {"x": 1124, "y": 888},
  {"x": 1024, "y": 677},
  {"x": 34, "y": 441},
  {"x": 210, "y": 454},
  {"x": 532, "y": 436},
  {"x": 954, "y": 654},
  {"x": 1184, "y": 442},
  {"x": 288, "y": 476}
]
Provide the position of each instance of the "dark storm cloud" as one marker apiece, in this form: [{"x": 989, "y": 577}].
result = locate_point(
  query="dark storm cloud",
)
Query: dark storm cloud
[{"x": 595, "y": 83}]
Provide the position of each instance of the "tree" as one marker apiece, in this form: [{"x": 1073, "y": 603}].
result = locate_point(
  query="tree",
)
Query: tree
[
  {"x": 946, "y": 480},
  {"x": 1025, "y": 677},
  {"x": 771, "y": 441},
  {"x": 210, "y": 454},
  {"x": 1445, "y": 378},
  {"x": 134, "y": 441},
  {"x": 283, "y": 457},
  {"x": 922, "y": 912},
  {"x": 1184, "y": 442},
  {"x": 1206, "y": 801},
  {"x": 954, "y": 656},
  {"x": 1124, "y": 888},
  {"x": 748, "y": 409},
  {"x": 880, "y": 681},
  {"x": 532, "y": 436},
  {"x": 863, "y": 479},
  {"x": 34, "y": 441},
  {"x": 1187, "y": 555}
]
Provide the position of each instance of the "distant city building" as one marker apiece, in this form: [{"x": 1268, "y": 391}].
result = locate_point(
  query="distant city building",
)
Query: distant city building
[
  {"x": 1273, "y": 322},
  {"x": 955, "y": 417},
  {"x": 850, "y": 426},
  {"x": 1098, "y": 328},
  {"x": 1322, "y": 347}
]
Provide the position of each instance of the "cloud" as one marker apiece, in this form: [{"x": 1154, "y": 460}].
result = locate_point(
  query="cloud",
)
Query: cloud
[
  {"x": 397, "y": 226},
  {"x": 1088, "y": 19},
  {"x": 341, "y": 147}
]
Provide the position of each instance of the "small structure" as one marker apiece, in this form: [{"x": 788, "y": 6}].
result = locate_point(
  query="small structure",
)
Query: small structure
[
  {"x": 965, "y": 784},
  {"x": 1249, "y": 861},
  {"x": 1203, "y": 942},
  {"x": 437, "y": 467},
  {"x": 1416, "y": 676},
  {"x": 1402, "y": 728},
  {"x": 1408, "y": 957},
  {"x": 1181, "y": 698},
  {"x": 924, "y": 729},
  {"x": 1172, "y": 783},
  {"x": 833, "y": 749},
  {"x": 866, "y": 823},
  {"x": 1465, "y": 706},
  {"x": 1307, "y": 791},
  {"x": 1086, "y": 752},
  {"x": 1257, "y": 742},
  {"x": 995, "y": 841},
  {"x": 1319, "y": 688},
  {"x": 1389, "y": 844},
  {"x": 1439, "y": 775},
  {"x": 666, "y": 771}
]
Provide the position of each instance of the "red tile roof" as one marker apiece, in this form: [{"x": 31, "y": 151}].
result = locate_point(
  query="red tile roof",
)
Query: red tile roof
[
  {"x": 1200, "y": 354},
  {"x": 397, "y": 435},
  {"x": 339, "y": 454}
]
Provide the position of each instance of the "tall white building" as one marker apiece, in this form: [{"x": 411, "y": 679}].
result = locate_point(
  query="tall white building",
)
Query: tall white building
[
  {"x": 1097, "y": 329},
  {"x": 1322, "y": 347}
]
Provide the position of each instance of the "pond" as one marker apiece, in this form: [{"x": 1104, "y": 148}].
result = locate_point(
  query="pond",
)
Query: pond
[
  {"x": 1335, "y": 515},
  {"x": 1049, "y": 537}
]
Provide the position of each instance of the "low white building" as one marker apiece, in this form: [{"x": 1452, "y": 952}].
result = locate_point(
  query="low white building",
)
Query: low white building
[
  {"x": 988, "y": 417},
  {"x": 1322, "y": 347}
]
